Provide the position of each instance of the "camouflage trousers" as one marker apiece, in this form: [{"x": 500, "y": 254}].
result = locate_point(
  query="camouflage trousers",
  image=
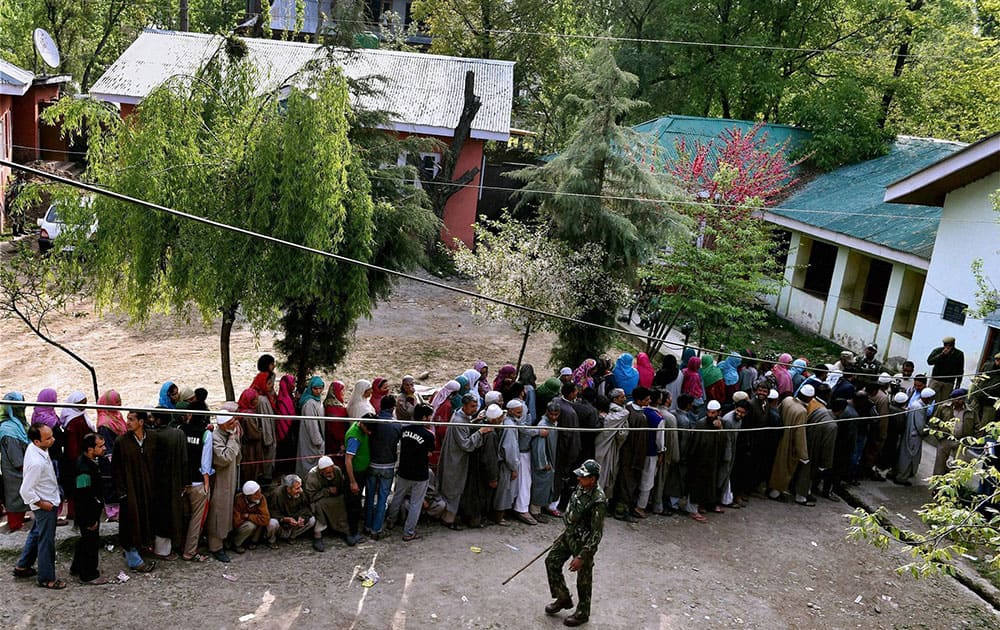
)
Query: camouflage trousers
[{"x": 554, "y": 562}]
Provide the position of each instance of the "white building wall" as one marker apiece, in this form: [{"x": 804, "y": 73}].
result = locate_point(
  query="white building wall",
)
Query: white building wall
[{"x": 958, "y": 243}]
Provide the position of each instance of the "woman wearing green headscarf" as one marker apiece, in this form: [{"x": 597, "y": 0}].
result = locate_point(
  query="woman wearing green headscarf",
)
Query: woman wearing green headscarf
[
  {"x": 13, "y": 443},
  {"x": 712, "y": 380},
  {"x": 312, "y": 446},
  {"x": 545, "y": 393}
]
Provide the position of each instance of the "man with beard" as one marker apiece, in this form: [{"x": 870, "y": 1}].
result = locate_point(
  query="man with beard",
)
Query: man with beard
[
  {"x": 171, "y": 468},
  {"x": 134, "y": 462},
  {"x": 790, "y": 472},
  {"x": 632, "y": 458},
  {"x": 453, "y": 465},
  {"x": 705, "y": 453}
]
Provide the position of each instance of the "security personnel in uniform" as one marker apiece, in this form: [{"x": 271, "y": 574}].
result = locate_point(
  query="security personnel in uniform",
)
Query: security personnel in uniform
[{"x": 584, "y": 519}]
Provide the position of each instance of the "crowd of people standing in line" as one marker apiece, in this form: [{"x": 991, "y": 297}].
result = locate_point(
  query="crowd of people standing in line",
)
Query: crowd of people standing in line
[{"x": 182, "y": 476}]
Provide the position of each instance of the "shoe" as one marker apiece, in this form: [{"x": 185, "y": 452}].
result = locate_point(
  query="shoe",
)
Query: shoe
[
  {"x": 902, "y": 483},
  {"x": 576, "y": 619},
  {"x": 559, "y": 604},
  {"x": 455, "y": 526},
  {"x": 525, "y": 518},
  {"x": 628, "y": 518},
  {"x": 351, "y": 540},
  {"x": 830, "y": 496},
  {"x": 318, "y": 544},
  {"x": 806, "y": 503},
  {"x": 145, "y": 567},
  {"x": 240, "y": 549},
  {"x": 638, "y": 513},
  {"x": 541, "y": 518},
  {"x": 220, "y": 555},
  {"x": 555, "y": 513},
  {"x": 411, "y": 537}
]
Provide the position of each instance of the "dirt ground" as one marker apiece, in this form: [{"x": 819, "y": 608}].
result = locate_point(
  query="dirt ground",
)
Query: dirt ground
[
  {"x": 768, "y": 566},
  {"x": 420, "y": 329}
]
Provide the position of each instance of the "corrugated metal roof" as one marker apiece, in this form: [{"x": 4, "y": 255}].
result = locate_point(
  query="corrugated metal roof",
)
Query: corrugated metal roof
[
  {"x": 17, "y": 78},
  {"x": 848, "y": 200},
  {"x": 424, "y": 93},
  {"x": 669, "y": 129}
]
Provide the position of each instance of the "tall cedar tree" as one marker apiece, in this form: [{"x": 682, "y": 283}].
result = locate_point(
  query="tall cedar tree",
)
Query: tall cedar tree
[{"x": 592, "y": 192}]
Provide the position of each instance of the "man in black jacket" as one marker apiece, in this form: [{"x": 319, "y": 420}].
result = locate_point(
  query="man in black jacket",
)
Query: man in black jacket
[{"x": 89, "y": 506}]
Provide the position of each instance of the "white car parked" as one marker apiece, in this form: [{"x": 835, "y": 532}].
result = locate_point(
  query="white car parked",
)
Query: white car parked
[{"x": 51, "y": 226}]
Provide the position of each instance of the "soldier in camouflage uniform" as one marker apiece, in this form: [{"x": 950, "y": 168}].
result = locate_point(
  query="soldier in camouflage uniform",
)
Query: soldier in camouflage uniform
[{"x": 584, "y": 518}]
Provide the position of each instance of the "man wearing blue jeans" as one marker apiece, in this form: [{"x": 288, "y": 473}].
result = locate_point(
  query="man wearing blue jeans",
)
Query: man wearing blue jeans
[
  {"x": 40, "y": 491},
  {"x": 382, "y": 468}
]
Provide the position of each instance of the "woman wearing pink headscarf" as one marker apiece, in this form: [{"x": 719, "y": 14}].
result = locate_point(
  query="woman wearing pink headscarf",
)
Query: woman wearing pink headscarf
[
  {"x": 482, "y": 384},
  {"x": 691, "y": 384},
  {"x": 507, "y": 372},
  {"x": 380, "y": 387},
  {"x": 110, "y": 426},
  {"x": 782, "y": 378},
  {"x": 646, "y": 369},
  {"x": 582, "y": 375}
]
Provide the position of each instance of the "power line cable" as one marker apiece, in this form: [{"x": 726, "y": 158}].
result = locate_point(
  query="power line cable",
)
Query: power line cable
[
  {"x": 399, "y": 274},
  {"x": 696, "y": 43}
]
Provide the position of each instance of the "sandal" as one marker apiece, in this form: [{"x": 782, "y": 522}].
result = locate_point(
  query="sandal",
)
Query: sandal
[
  {"x": 169, "y": 557},
  {"x": 454, "y": 526},
  {"x": 145, "y": 567},
  {"x": 24, "y": 572},
  {"x": 101, "y": 581},
  {"x": 718, "y": 510},
  {"x": 55, "y": 585},
  {"x": 411, "y": 537},
  {"x": 698, "y": 517},
  {"x": 195, "y": 558}
]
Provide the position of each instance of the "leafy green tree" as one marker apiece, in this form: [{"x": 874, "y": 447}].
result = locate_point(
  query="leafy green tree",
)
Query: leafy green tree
[
  {"x": 714, "y": 277},
  {"x": 593, "y": 192},
  {"x": 516, "y": 262},
  {"x": 213, "y": 146}
]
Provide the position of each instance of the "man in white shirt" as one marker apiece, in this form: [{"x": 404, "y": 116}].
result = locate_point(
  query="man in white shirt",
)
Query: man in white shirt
[{"x": 40, "y": 491}]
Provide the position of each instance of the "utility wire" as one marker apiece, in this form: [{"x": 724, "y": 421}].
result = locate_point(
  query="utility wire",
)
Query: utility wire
[
  {"x": 691, "y": 42},
  {"x": 686, "y": 202},
  {"x": 399, "y": 274}
]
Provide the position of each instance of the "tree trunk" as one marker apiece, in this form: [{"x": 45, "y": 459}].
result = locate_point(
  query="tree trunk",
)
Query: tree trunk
[
  {"x": 444, "y": 185},
  {"x": 38, "y": 332},
  {"x": 524, "y": 344},
  {"x": 225, "y": 332}
]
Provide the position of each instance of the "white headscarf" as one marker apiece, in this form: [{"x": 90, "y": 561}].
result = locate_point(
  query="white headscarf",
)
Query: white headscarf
[
  {"x": 69, "y": 413},
  {"x": 359, "y": 405},
  {"x": 473, "y": 376},
  {"x": 444, "y": 394}
]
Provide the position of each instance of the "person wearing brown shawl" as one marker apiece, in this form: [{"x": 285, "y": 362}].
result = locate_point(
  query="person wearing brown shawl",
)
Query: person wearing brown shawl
[
  {"x": 171, "y": 468},
  {"x": 263, "y": 384},
  {"x": 632, "y": 458},
  {"x": 133, "y": 465}
]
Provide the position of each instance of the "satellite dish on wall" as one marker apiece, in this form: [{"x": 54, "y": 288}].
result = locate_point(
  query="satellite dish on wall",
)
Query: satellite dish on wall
[{"x": 46, "y": 47}]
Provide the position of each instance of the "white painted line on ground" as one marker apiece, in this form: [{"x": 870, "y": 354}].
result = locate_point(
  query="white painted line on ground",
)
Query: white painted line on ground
[{"x": 399, "y": 619}]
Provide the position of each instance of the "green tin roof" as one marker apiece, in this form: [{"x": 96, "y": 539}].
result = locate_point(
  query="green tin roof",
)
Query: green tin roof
[
  {"x": 669, "y": 129},
  {"x": 848, "y": 200}
]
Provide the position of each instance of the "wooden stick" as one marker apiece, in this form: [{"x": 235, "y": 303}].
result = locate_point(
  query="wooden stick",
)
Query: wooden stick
[{"x": 533, "y": 561}]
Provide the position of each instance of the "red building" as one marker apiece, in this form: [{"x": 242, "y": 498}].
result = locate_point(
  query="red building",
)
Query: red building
[
  {"x": 423, "y": 93},
  {"x": 23, "y": 137}
]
